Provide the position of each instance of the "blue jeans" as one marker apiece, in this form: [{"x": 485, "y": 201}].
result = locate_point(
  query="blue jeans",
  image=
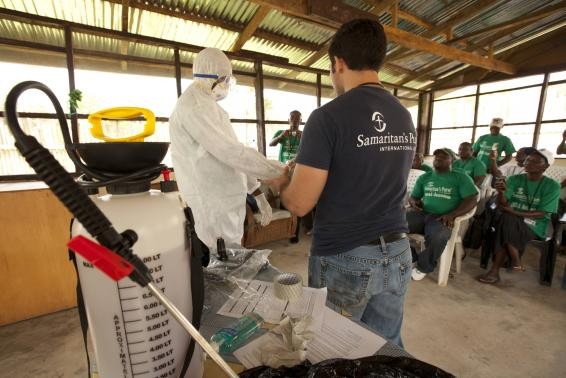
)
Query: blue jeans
[
  {"x": 367, "y": 284},
  {"x": 436, "y": 237}
]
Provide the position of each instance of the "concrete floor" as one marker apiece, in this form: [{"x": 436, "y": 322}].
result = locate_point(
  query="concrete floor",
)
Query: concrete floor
[{"x": 514, "y": 329}]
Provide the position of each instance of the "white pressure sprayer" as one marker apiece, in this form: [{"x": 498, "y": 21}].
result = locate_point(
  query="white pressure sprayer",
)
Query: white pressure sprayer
[{"x": 131, "y": 319}]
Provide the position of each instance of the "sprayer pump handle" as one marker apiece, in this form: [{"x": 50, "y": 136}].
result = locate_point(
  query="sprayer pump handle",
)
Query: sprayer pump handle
[{"x": 109, "y": 262}]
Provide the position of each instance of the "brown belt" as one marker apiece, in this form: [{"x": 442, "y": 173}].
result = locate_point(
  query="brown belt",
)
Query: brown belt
[{"x": 389, "y": 238}]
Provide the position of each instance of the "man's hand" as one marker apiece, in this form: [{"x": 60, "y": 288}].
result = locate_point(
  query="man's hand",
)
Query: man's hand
[
  {"x": 447, "y": 220},
  {"x": 493, "y": 156},
  {"x": 415, "y": 203},
  {"x": 500, "y": 185},
  {"x": 279, "y": 182},
  {"x": 285, "y": 134}
]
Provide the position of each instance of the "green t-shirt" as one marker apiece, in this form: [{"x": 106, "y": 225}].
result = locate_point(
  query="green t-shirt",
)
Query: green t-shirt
[
  {"x": 472, "y": 167},
  {"x": 485, "y": 143},
  {"x": 525, "y": 195},
  {"x": 289, "y": 146},
  {"x": 442, "y": 193},
  {"x": 426, "y": 168}
]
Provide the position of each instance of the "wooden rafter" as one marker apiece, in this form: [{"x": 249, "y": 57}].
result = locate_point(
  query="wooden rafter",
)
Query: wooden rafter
[
  {"x": 334, "y": 13},
  {"x": 414, "y": 19},
  {"x": 125, "y": 15},
  {"x": 487, "y": 41},
  {"x": 461, "y": 17},
  {"x": 536, "y": 56},
  {"x": 484, "y": 42},
  {"x": 512, "y": 24},
  {"x": 395, "y": 14},
  {"x": 251, "y": 27},
  {"x": 125, "y": 45},
  {"x": 380, "y": 6}
]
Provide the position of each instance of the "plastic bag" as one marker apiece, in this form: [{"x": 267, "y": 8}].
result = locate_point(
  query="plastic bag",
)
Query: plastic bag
[
  {"x": 241, "y": 266},
  {"x": 373, "y": 366}
]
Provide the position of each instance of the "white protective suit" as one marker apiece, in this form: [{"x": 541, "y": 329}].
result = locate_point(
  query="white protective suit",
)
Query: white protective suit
[{"x": 213, "y": 169}]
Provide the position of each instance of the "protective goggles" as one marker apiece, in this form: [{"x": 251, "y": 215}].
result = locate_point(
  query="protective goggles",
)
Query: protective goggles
[{"x": 228, "y": 79}]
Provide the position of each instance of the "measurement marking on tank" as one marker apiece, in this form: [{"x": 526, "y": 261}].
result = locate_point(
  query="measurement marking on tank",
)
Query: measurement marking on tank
[
  {"x": 133, "y": 354},
  {"x": 141, "y": 373},
  {"x": 126, "y": 287},
  {"x": 138, "y": 331},
  {"x": 140, "y": 363},
  {"x": 132, "y": 321},
  {"x": 126, "y": 335},
  {"x": 132, "y": 309},
  {"x": 128, "y": 299},
  {"x": 136, "y": 342}
]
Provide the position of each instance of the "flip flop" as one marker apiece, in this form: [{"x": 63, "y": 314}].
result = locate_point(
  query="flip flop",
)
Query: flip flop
[
  {"x": 488, "y": 280},
  {"x": 519, "y": 268}
]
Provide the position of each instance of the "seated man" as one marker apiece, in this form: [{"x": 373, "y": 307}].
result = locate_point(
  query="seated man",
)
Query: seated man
[
  {"x": 469, "y": 164},
  {"x": 437, "y": 199},
  {"x": 525, "y": 202},
  {"x": 418, "y": 163}
]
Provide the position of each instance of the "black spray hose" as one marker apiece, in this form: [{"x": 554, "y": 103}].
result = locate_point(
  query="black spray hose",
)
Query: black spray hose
[{"x": 66, "y": 189}]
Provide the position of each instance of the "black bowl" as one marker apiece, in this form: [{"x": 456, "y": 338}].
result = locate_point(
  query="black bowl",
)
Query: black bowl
[{"x": 121, "y": 157}]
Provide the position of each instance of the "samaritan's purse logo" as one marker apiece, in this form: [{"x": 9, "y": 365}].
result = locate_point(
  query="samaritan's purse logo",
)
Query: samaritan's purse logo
[
  {"x": 392, "y": 140},
  {"x": 378, "y": 122}
]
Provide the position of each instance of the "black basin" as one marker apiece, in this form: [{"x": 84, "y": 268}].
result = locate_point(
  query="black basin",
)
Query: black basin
[{"x": 121, "y": 157}]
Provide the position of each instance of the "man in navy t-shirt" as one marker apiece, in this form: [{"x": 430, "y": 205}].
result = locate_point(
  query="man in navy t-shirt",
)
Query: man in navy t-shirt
[{"x": 353, "y": 163}]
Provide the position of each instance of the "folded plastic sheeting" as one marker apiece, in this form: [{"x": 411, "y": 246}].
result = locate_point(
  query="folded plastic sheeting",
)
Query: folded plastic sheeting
[{"x": 373, "y": 366}]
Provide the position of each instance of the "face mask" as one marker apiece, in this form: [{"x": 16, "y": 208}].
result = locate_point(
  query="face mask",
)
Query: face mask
[{"x": 221, "y": 91}]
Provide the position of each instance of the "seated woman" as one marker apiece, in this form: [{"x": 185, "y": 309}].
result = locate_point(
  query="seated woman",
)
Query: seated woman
[{"x": 525, "y": 202}]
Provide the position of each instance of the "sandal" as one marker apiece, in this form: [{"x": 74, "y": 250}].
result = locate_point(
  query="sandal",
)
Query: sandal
[
  {"x": 519, "y": 268},
  {"x": 488, "y": 280}
]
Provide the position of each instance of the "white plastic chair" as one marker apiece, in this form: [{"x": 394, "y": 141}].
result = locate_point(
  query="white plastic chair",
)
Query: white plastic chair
[
  {"x": 454, "y": 244},
  {"x": 414, "y": 174},
  {"x": 485, "y": 193}
]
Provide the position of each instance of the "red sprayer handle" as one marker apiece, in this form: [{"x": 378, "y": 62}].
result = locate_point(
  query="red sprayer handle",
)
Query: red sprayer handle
[{"x": 109, "y": 262}]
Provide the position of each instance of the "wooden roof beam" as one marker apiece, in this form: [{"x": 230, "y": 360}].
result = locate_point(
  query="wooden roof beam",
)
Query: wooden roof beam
[
  {"x": 380, "y": 6},
  {"x": 251, "y": 27},
  {"x": 395, "y": 14},
  {"x": 519, "y": 21},
  {"x": 461, "y": 17},
  {"x": 414, "y": 19},
  {"x": 478, "y": 46},
  {"x": 334, "y": 13},
  {"x": 125, "y": 15}
]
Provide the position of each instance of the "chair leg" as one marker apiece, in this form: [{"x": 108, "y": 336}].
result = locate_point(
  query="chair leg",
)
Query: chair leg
[
  {"x": 547, "y": 262},
  {"x": 445, "y": 263},
  {"x": 459, "y": 249}
]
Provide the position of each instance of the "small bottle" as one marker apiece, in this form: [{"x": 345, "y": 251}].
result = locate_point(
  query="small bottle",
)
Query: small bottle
[{"x": 229, "y": 339}]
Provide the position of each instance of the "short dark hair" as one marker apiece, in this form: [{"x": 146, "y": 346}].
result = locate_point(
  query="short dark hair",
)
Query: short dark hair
[
  {"x": 466, "y": 144},
  {"x": 361, "y": 43}
]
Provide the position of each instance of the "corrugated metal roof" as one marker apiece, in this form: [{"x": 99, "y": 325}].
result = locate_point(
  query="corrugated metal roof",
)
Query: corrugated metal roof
[
  {"x": 279, "y": 23},
  {"x": 235, "y": 14},
  {"x": 294, "y": 54},
  {"x": 89, "y": 12},
  {"x": 151, "y": 24},
  {"x": 22, "y": 31}
]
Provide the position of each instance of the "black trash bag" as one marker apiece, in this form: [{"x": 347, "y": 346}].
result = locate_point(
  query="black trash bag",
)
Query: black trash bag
[{"x": 372, "y": 366}]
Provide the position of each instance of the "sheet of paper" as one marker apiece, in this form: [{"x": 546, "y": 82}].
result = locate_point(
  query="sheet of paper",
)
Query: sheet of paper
[
  {"x": 339, "y": 337},
  {"x": 258, "y": 296}
]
